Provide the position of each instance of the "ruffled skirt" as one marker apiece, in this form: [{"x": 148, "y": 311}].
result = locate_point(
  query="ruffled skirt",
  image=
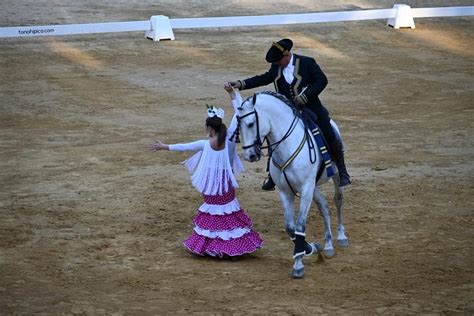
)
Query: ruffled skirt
[{"x": 222, "y": 227}]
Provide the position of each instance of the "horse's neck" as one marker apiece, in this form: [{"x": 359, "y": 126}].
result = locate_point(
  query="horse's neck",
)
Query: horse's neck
[{"x": 281, "y": 118}]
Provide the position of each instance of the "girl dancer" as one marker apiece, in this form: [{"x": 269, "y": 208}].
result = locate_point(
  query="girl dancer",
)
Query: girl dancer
[{"x": 221, "y": 226}]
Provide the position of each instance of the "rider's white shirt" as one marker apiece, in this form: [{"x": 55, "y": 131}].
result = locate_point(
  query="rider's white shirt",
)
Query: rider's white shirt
[{"x": 288, "y": 71}]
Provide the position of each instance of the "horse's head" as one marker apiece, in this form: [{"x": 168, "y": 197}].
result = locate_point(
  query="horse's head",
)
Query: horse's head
[{"x": 254, "y": 127}]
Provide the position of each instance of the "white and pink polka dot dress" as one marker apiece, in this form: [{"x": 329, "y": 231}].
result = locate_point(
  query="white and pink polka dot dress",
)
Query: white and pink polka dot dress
[{"x": 221, "y": 226}]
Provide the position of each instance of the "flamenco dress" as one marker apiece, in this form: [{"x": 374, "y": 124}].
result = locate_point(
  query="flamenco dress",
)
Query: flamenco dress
[{"x": 221, "y": 225}]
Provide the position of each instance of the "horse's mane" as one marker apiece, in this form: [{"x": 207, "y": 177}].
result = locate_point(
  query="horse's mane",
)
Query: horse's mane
[
  {"x": 247, "y": 99},
  {"x": 279, "y": 96}
]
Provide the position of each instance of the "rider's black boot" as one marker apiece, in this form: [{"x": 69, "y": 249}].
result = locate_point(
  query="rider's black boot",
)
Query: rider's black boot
[
  {"x": 268, "y": 184},
  {"x": 337, "y": 153}
]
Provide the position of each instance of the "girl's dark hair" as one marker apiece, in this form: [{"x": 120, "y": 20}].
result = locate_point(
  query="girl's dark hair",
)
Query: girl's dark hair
[{"x": 216, "y": 124}]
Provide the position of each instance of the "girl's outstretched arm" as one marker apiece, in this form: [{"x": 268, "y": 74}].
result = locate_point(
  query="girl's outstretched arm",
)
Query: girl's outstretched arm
[
  {"x": 234, "y": 95},
  {"x": 158, "y": 145},
  {"x": 193, "y": 146}
]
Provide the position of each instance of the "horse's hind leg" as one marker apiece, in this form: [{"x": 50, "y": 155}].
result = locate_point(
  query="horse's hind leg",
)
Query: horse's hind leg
[
  {"x": 326, "y": 214},
  {"x": 342, "y": 240}
]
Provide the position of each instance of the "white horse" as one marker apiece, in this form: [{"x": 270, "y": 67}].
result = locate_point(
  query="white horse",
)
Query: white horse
[{"x": 269, "y": 115}]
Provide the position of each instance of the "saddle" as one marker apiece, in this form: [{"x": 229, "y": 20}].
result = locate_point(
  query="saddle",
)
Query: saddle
[{"x": 309, "y": 119}]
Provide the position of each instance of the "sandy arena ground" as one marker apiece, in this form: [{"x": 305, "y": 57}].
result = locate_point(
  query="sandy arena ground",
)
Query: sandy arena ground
[{"x": 92, "y": 223}]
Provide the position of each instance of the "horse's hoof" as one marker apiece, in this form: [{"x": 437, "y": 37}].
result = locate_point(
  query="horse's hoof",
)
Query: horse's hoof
[
  {"x": 343, "y": 243},
  {"x": 298, "y": 274},
  {"x": 329, "y": 253}
]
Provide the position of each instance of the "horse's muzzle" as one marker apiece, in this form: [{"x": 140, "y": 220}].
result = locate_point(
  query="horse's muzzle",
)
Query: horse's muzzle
[
  {"x": 254, "y": 153},
  {"x": 253, "y": 158}
]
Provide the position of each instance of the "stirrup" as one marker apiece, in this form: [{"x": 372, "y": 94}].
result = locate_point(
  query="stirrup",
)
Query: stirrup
[{"x": 268, "y": 184}]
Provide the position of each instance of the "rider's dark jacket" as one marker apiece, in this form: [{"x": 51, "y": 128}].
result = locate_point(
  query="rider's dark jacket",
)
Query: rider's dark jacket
[{"x": 307, "y": 74}]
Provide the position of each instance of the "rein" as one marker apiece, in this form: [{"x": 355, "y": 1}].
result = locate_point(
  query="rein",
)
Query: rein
[
  {"x": 257, "y": 141},
  {"x": 273, "y": 146},
  {"x": 287, "y": 134}
]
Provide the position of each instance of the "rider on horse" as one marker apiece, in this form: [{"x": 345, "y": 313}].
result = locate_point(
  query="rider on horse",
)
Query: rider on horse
[{"x": 300, "y": 79}]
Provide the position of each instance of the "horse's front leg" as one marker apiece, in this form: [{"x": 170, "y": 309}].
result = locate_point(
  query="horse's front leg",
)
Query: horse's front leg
[
  {"x": 326, "y": 214},
  {"x": 287, "y": 202},
  {"x": 301, "y": 246}
]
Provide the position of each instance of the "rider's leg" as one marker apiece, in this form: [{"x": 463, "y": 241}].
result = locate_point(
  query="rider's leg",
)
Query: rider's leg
[
  {"x": 268, "y": 184},
  {"x": 335, "y": 149}
]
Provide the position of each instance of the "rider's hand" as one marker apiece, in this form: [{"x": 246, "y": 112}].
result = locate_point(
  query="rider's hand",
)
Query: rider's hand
[
  {"x": 236, "y": 84},
  {"x": 299, "y": 101}
]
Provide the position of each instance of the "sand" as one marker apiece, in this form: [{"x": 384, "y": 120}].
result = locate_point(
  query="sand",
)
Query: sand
[{"x": 92, "y": 223}]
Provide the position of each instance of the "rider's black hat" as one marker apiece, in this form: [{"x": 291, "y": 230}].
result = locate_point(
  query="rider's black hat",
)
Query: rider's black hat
[{"x": 279, "y": 50}]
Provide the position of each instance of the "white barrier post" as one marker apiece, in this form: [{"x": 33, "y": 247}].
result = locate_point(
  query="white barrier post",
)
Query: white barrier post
[
  {"x": 160, "y": 29},
  {"x": 403, "y": 17}
]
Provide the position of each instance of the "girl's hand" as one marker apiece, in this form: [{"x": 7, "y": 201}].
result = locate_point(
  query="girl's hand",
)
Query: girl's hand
[
  {"x": 157, "y": 145},
  {"x": 228, "y": 87}
]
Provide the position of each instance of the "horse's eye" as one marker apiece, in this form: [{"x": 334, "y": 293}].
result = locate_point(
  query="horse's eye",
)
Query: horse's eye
[{"x": 250, "y": 125}]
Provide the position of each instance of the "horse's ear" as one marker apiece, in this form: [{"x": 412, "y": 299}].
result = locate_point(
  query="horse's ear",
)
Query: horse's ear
[{"x": 254, "y": 99}]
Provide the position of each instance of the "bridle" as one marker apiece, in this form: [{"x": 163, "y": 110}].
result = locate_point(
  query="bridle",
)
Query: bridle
[{"x": 258, "y": 142}]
